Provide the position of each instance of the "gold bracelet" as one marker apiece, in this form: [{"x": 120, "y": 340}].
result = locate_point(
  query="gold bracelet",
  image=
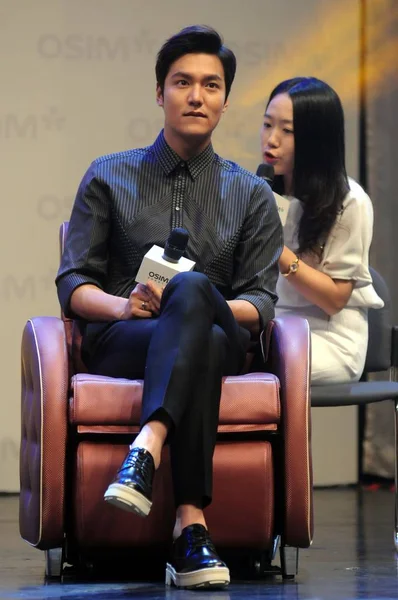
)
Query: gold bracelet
[{"x": 293, "y": 268}]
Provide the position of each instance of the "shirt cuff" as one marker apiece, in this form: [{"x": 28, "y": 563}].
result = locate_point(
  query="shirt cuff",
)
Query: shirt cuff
[
  {"x": 66, "y": 285},
  {"x": 265, "y": 304}
]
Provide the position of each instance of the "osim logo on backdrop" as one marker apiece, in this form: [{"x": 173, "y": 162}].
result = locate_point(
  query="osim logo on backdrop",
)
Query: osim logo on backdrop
[
  {"x": 100, "y": 48},
  {"x": 124, "y": 48},
  {"x": 17, "y": 126}
]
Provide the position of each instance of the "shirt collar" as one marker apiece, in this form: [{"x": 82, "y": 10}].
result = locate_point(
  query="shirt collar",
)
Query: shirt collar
[{"x": 169, "y": 160}]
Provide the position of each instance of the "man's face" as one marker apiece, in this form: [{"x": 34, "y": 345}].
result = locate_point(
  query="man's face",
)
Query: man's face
[{"x": 193, "y": 99}]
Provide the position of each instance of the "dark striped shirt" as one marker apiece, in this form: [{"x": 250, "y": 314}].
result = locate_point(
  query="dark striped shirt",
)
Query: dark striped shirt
[{"x": 131, "y": 200}]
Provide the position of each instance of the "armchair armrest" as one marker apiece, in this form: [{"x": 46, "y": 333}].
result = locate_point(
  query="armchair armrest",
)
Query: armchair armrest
[
  {"x": 286, "y": 347},
  {"x": 44, "y": 405}
]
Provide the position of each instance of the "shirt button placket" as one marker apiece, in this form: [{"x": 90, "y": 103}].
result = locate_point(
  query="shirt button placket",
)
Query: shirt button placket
[{"x": 178, "y": 200}]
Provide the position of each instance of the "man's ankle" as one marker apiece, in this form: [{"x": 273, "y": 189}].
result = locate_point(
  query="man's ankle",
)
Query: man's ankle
[
  {"x": 188, "y": 515},
  {"x": 151, "y": 438},
  {"x": 156, "y": 457}
]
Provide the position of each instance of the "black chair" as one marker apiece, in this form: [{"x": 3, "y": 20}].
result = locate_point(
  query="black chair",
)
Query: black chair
[{"x": 382, "y": 355}]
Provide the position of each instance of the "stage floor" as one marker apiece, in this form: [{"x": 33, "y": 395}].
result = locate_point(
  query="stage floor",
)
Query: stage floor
[{"x": 352, "y": 557}]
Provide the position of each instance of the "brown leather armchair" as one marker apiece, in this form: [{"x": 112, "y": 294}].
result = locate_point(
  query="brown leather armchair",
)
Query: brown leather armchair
[{"x": 75, "y": 431}]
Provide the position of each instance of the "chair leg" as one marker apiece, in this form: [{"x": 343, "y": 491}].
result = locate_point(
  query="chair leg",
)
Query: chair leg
[
  {"x": 277, "y": 541},
  {"x": 262, "y": 563},
  {"x": 396, "y": 477},
  {"x": 289, "y": 561},
  {"x": 54, "y": 562}
]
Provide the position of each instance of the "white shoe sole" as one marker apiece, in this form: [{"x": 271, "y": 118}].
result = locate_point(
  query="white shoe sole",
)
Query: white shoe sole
[
  {"x": 128, "y": 499},
  {"x": 214, "y": 577}
]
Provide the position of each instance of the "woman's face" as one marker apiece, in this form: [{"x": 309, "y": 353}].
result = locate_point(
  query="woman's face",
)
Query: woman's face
[{"x": 277, "y": 137}]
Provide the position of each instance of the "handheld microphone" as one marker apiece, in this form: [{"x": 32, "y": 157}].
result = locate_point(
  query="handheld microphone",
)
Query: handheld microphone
[
  {"x": 266, "y": 171},
  {"x": 161, "y": 264},
  {"x": 176, "y": 244}
]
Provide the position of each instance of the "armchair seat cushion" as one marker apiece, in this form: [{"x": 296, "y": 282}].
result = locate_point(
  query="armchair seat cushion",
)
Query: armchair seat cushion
[{"x": 248, "y": 402}]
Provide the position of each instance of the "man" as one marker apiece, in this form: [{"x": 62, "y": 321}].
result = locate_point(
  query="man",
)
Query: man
[{"x": 198, "y": 329}]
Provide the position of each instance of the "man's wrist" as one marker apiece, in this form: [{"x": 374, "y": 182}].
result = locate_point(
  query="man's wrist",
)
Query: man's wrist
[{"x": 120, "y": 308}]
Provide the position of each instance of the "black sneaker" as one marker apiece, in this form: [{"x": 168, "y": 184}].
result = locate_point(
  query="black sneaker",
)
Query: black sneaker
[
  {"x": 132, "y": 487},
  {"x": 194, "y": 561}
]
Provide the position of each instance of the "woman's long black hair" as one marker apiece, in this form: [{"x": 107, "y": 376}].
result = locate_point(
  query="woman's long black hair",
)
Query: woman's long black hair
[{"x": 319, "y": 174}]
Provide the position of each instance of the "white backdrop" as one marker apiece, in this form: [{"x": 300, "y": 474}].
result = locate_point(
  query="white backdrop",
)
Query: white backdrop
[{"x": 78, "y": 81}]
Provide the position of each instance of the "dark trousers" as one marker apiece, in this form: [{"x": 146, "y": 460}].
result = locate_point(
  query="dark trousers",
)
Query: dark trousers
[{"x": 182, "y": 355}]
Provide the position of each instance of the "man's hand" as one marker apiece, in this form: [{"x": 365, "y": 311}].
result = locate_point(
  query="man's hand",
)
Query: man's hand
[
  {"x": 139, "y": 305},
  {"x": 155, "y": 295}
]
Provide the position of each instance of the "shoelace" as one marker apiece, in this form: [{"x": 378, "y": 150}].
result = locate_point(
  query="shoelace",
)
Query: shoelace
[
  {"x": 144, "y": 465},
  {"x": 199, "y": 539}
]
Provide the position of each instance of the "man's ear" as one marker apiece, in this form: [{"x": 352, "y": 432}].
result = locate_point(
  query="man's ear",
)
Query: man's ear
[
  {"x": 225, "y": 106},
  {"x": 159, "y": 95}
]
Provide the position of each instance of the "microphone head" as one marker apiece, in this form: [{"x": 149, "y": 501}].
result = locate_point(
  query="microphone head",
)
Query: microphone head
[
  {"x": 266, "y": 172},
  {"x": 176, "y": 244}
]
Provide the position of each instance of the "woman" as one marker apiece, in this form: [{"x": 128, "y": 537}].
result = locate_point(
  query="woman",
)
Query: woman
[{"x": 324, "y": 274}]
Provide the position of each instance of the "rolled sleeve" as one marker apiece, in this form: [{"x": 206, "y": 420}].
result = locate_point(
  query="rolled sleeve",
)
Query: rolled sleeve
[
  {"x": 85, "y": 257},
  {"x": 347, "y": 249},
  {"x": 257, "y": 255}
]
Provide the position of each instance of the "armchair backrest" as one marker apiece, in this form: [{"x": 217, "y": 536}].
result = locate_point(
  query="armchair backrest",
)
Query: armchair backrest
[
  {"x": 72, "y": 326},
  {"x": 378, "y": 357}
]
